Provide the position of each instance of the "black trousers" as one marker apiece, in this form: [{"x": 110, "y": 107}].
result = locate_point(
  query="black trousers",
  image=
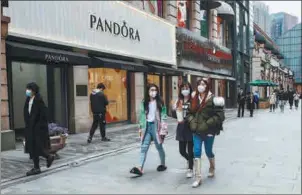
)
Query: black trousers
[
  {"x": 98, "y": 119},
  {"x": 241, "y": 108},
  {"x": 36, "y": 158},
  {"x": 251, "y": 112},
  {"x": 185, "y": 146}
]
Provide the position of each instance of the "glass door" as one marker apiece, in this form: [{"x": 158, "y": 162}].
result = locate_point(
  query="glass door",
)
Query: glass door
[{"x": 57, "y": 96}]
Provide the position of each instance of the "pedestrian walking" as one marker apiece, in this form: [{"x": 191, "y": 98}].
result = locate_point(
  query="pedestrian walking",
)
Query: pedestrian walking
[
  {"x": 205, "y": 121},
  {"x": 241, "y": 102},
  {"x": 98, "y": 103},
  {"x": 256, "y": 99},
  {"x": 272, "y": 101},
  {"x": 183, "y": 133},
  {"x": 153, "y": 126},
  {"x": 251, "y": 103},
  {"x": 37, "y": 141},
  {"x": 296, "y": 99},
  {"x": 282, "y": 98},
  {"x": 291, "y": 98}
]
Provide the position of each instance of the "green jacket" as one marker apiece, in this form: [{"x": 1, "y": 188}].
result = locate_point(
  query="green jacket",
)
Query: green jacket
[
  {"x": 160, "y": 123},
  {"x": 210, "y": 119}
]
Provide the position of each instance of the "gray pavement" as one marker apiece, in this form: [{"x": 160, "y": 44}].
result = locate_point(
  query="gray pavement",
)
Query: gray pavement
[{"x": 253, "y": 155}]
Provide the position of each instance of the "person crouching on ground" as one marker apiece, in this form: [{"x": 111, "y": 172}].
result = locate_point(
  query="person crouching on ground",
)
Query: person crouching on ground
[
  {"x": 205, "y": 120},
  {"x": 152, "y": 123},
  {"x": 250, "y": 101},
  {"x": 183, "y": 132},
  {"x": 272, "y": 101},
  {"x": 37, "y": 141}
]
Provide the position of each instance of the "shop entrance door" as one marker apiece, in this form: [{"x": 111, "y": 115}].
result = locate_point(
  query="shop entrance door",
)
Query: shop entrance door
[
  {"x": 57, "y": 95},
  {"x": 52, "y": 82}
]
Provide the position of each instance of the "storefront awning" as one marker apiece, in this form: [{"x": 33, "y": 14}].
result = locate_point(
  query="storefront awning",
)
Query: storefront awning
[
  {"x": 98, "y": 62},
  {"x": 202, "y": 74},
  {"x": 259, "y": 38},
  {"x": 225, "y": 11},
  {"x": 45, "y": 55},
  {"x": 164, "y": 70},
  {"x": 209, "y": 4}
]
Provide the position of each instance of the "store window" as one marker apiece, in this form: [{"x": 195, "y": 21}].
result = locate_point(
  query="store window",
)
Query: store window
[
  {"x": 155, "y": 79},
  {"x": 115, "y": 81}
]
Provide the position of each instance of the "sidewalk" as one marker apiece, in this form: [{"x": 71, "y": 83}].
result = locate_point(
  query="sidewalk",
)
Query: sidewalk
[{"x": 15, "y": 163}]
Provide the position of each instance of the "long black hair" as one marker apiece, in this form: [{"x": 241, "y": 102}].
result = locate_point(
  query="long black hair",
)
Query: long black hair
[{"x": 159, "y": 101}]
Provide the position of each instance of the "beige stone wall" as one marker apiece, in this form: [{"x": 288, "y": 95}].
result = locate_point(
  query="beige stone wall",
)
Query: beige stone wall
[{"x": 3, "y": 81}]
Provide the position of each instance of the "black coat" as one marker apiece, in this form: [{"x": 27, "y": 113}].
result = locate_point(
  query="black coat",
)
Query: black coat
[
  {"x": 98, "y": 102},
  {"x": 37, "y": 140},
  {"x": 241, "y": 98},
  {"x": 250, "y": 104}
]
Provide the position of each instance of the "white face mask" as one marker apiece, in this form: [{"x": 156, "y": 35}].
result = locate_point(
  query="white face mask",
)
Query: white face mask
[
  {"x": 185, "y": 92},
  {"x": 201, "y": 88},
  {"x": 153, "y": 94}
]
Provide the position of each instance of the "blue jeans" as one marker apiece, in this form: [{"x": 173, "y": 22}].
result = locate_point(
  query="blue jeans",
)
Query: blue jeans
[
  {"x": 150, "y": 134},
  {"x": 208, "y": 145}
]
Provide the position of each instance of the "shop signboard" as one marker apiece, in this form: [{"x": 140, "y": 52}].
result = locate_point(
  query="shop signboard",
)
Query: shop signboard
[
  {"x": 113, "y": 27},
  {"x": 199, "y": 53}
]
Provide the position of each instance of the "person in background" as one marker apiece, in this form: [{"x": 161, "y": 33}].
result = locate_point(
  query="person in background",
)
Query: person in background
[
  {"x": 209, "y": 111},
  {"x": 256, "y": 99},
  {"x": 296, "y": 99},
  {"x": 37, "y": 141},
  {"x": 277, "y": 98},
  {"x": 153, "y": 126},
  {"x": 272, "y": 101},
  {"x": 183, "y": 133},
  {"x": 250, "y": 101},
  {"x": 282, "y": 98},
  {"x": 241, "y": 102},
  {"x": 98, "y": 103},
  {"x": 291, "y": 98}
]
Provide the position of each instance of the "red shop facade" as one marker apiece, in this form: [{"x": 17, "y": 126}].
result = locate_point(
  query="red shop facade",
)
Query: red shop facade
[{"x": 200, "y": 57}]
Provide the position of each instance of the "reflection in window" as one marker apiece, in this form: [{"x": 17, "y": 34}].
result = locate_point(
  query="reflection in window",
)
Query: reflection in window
[{"x": 115, "y": 81}]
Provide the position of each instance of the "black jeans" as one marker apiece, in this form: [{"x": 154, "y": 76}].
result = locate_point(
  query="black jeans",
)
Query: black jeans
[
  {"x": 36, "y": 159},
  {"x": 241, "y": 107},
  {"x": 272, "y": 107},
  {"x": 251, "y": 112},
  {"x": 98, "y": 119},
  {"x": 189, "y": 156}
]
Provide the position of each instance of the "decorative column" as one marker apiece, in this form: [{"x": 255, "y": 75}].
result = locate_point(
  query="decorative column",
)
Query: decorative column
[{"x": 4, "y": 89}]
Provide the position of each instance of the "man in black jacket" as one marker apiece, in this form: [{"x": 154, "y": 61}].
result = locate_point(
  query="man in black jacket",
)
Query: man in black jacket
[
  {"x": 241, "y": 102},
  {"x": 98, "y": 103}
]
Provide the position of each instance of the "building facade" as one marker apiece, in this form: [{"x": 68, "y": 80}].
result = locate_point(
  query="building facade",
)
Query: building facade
[
  {"x": 262, "y": 16},
  {"x": 161, "y": 42},
  {"x": 280, "y": 23},
  {"x": 290, "y": 46},
  {"x": 268, "y": 65}
]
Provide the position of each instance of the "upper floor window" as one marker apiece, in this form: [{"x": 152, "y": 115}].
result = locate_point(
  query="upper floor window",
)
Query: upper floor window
[{"x": 184, "y": 14}]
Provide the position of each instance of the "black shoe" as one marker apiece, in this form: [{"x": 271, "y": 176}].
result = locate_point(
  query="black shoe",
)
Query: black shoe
[
  {"x": 50, "y": 160},
  {"x": 34, "y": 171},
  {"x": 89, "y": 140},
  {"x": 161, "y": 168},
  {"x": 105, "y": 139}
]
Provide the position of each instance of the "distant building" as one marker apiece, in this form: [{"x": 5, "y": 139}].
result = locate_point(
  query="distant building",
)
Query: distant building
[
  {"x": 290, "y": 46},
  {"x": 261, "y": 16},
  {"x": 280, "y": 23}
]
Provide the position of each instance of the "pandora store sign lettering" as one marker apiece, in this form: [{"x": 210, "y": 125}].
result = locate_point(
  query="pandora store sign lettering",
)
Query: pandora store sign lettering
[{"x": 118, "y": 29}]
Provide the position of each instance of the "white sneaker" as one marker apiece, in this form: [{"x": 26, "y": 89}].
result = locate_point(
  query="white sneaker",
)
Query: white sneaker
[
  {"x": 196, "y": 183},
  {"x": 189, "y": 173}
]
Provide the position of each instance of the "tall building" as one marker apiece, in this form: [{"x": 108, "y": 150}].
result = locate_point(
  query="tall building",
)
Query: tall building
[
  {"x": 290, "y": 45},
  {"x": 261, "y": 16},
  {"x": 280, "y": 23}
]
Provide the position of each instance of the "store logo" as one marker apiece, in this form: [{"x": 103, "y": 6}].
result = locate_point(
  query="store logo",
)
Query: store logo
[
  {"x": 104, "y": 25},
  {"x": 55, "y": 58}
]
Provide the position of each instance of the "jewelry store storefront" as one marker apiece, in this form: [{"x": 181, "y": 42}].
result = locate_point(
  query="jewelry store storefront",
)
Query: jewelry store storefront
[{"x": 121, "y": 50}]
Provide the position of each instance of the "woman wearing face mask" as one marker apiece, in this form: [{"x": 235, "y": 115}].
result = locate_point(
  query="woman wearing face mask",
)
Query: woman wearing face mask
[
  {"x": 152, "y": 127},
  {"x": 209, "y": 114},
  {"x": 37, "y": 142},
  {"x": 183, "y": 132}
]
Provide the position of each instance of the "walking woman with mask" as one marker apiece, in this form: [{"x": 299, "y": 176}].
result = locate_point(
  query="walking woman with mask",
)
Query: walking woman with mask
[
  {"x": 183, "y": 132},
  {"x": 205, "y": 120},
  {"x": 152, "y": 123},
  {"x": 37, "y": 141}
]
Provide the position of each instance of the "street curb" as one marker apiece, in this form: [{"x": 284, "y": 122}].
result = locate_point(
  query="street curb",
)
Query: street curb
[{"x": 22, "y": 178}]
